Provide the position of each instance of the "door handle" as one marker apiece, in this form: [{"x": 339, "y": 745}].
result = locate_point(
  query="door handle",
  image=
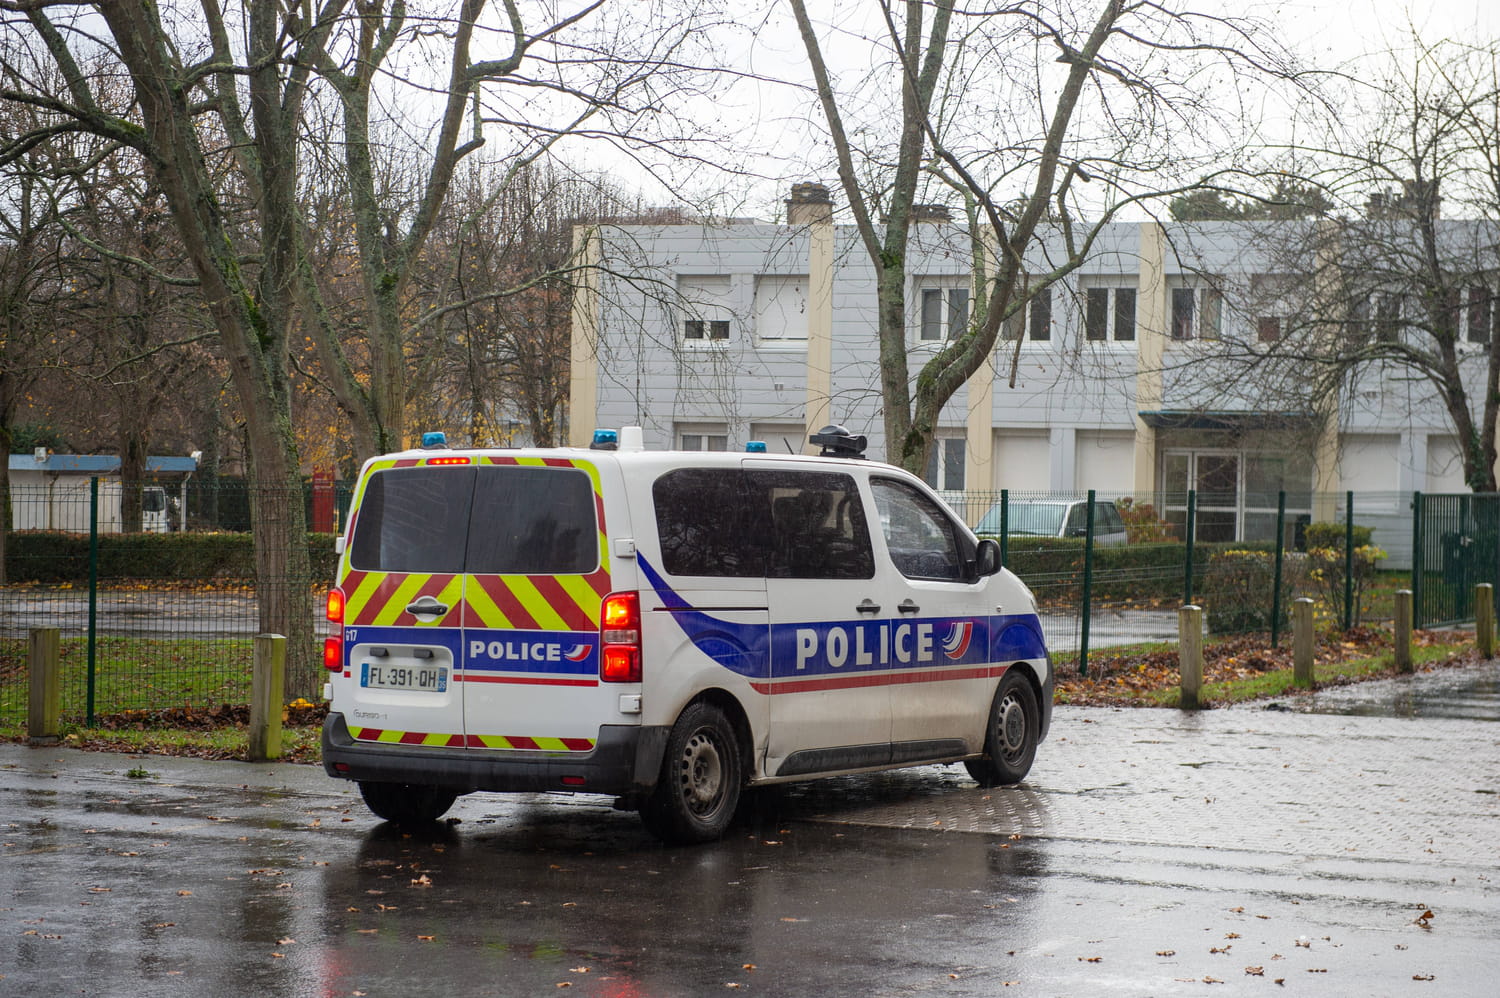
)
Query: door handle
[
  {"x": 427, "y": 605},
  {"x": 908, "y": 606},
  {"x": 868, "y": 605}
]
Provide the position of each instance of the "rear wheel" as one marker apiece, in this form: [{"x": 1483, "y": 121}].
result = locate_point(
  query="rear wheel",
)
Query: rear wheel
[
  {"x": 701, "y": 775},
  {"x": 407, "y": 803},
  {"x": 1010, "y": 740}
]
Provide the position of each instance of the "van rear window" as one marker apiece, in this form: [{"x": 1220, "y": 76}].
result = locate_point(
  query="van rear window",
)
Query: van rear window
[{"x": 481, "y": 520}]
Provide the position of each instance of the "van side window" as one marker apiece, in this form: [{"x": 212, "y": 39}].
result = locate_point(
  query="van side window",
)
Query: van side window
[
  {"x": 819, "y": 526},
  {"x": 762, "y": 524},
  {"x": 921, "y": 539},
  {"x": 710, "y": 524}
]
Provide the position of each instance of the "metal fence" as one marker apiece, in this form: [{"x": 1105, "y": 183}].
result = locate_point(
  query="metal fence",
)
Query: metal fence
[{"x": 155, "y": 617}]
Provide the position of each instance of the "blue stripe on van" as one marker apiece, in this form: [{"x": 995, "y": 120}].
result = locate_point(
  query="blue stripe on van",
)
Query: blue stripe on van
[{"x": 841, "y": 647}]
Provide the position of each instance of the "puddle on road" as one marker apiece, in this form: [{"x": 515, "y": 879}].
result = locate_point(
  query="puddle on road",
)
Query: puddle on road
[{"x": 1471, "y": 694}]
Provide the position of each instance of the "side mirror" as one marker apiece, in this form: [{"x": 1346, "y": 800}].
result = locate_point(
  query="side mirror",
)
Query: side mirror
[{"x": 987, "y": 558}]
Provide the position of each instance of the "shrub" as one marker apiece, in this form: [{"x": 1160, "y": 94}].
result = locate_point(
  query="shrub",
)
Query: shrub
[
  {"x": 1142, "y": 525},
  {"x": 1240, "y": 589}
]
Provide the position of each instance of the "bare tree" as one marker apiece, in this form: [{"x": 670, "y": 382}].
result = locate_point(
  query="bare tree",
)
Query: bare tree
[
  {"x": 1016, "y": 109},
  {"x": 1399, "y": 285}
]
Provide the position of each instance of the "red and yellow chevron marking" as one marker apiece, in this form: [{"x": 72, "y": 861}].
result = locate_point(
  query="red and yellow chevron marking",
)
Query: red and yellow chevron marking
[
  {"x": 523, "y": 602},
  {"x": 439, "y": 740},
  {"x": 381, "y": 598}
]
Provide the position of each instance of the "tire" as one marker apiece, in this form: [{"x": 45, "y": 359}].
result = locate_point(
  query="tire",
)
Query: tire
[
  {"x": 407, "y": 803},
  {"x": 1011, "y": 735},
  {"x": 701, "y": 776}
]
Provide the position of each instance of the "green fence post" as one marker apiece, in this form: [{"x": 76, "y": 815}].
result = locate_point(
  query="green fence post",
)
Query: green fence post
[
  {"x": 1348, "y": 560},
  {"x": 1276, "y": 575},
  {"x": 1416, "y": 561},
  {"x": 1088, "y": 588},
  {"x": 88, "y": 712},
  {"x": 1187, "y": 571},
  {"x": 1004, "y": 526}
]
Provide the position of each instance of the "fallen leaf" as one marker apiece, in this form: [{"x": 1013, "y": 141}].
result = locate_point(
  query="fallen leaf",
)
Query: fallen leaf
[
  {"x": 578, "y": 970},
  {"x": 285, "y": 942},
  {"x": 1256, "y": 971},
  {"x": 423, "y": 881},
  {"x": 1423, "y": 977},
  {"x": 427, "y": 939},
  {"x": 184, "y": 894},
  {"x": 1166, "y": 952}
]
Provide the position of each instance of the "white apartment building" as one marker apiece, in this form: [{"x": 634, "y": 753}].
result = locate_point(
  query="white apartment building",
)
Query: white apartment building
[{"x": 1122, "y": 377}]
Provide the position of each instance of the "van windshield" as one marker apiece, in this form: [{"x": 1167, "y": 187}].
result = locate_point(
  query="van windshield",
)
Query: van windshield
[{"x": 481, "y": 520}]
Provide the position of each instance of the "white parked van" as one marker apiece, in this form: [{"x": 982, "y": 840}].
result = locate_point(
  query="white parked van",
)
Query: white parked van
[{"x": 667, "y": 627}]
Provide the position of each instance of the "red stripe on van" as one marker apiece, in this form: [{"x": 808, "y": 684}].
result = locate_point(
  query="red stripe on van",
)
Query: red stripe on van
[
  {"x": 558, "y": 462},
  {"x": 579, "y": 744},
  {"x": 525, "y": 680},
  {"x": 877, "y": 679},
  {"x": 521, "y": 742},
  {"x": 413, "y": 737}
]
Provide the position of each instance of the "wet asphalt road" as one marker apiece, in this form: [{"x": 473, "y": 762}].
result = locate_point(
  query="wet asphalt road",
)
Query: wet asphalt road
[{"x": 1150, "y": 853}]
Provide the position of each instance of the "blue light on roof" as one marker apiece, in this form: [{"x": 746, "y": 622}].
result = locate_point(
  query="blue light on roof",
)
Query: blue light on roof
[
  {"x": 605, "y": 440},
  {"x": 435, "y": 438},
  {"x": 755, "y": 447}
]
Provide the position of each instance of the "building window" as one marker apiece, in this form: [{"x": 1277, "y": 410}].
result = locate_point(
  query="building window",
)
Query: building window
[
  {"x": 1100, "y": 321},
  {"x": 1480, "y": 315},
  {"x": 705, "y": 329},
  {"x": 945, "y": 314},
  {"x": 1196, "y": 313},
  {"x": 714, "y": 438},
  {"x": 1035, "y": 316},
  {"x": 1268, "y": 302},
  {"x": 1268, "y": 328},
  {"x": 781, "y": 307},
  {"x": 945, "y": 464},
  {"x": 1236, "y": 493},
  {"x": 1387, "y": 325},
  {"x": 704, "y": 301}
]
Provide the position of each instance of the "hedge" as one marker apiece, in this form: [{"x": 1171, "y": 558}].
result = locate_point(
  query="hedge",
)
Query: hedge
[
  {"x": 54, "y": 557},
  {"x": 1053, "y": 567}
]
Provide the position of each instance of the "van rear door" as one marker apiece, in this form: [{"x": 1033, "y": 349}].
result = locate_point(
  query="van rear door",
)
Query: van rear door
[
  {"x": 402, "y": 579},
  {"x": 536, "y": 578}
]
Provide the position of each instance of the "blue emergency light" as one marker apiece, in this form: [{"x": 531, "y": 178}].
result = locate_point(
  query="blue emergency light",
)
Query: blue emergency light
[
  {"x": 434, "y": 438},
  {"x": 605, "y": 440},
  {"x": 755, "y": 447}
]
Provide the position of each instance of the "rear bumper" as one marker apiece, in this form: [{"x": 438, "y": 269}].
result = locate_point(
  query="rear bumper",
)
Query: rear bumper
[{"x": 626, "y": 760}]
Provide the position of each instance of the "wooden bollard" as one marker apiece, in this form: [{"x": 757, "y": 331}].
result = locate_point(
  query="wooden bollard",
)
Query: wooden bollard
[
  {"x": 1303, "y": 643},
  {"x": 44, "y": 674},
  {"x": 1484, "y": 618},
  {"x": 1402, "y": 636},
  {"x": 267, "y": 681},
  {"x": 1190, "y": 654}
]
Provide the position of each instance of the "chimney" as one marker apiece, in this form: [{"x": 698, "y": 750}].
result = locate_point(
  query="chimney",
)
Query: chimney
[
  {"x": 930, "y": 213},
  {"x": 809, "y": 203}
]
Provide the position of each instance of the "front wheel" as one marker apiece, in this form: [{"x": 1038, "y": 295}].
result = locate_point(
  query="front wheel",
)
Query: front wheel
[
  {"x": 701, "y": 775},
  {"x": 1011, "y": 737},
  {"x": 407, "y": 803}
]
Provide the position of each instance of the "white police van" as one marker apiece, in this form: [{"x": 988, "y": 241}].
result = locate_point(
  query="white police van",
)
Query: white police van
[{"x": 667, "y": 627}]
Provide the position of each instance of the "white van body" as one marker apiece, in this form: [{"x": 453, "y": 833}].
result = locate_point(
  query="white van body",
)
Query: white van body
[{"x": 792, "y": 617}]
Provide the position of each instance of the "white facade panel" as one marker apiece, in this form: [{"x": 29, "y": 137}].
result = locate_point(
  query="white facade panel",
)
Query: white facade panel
[
  {"x": 1023, "y": 460},
  {"x": 1445, "y": 465},
  {"x": 1104, "y": 460}
]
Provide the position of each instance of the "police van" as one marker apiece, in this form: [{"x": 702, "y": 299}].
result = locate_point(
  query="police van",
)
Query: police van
[{"x": 667, "y": 627}]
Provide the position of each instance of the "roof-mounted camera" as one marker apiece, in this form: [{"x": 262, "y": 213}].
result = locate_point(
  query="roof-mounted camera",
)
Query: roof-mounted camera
[{"x": 837, "y": 441}]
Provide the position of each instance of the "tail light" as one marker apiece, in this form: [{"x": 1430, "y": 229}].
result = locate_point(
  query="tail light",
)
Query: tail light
[
  {"x": 333, "y": 645},
  {"x": 620, "y": 638}
]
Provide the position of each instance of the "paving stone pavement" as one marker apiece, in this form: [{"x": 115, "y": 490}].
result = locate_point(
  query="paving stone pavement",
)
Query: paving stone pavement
[{"x": 1363, "y": 787}]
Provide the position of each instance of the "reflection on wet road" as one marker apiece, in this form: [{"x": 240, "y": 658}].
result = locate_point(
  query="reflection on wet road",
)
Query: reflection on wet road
[{"x": 1150, "y": 853}]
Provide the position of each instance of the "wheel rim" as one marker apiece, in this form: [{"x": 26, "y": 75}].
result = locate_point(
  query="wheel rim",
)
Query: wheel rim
[
  {"x": 1010, "y": 727},
  {"x": 702, "y": 773}
]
